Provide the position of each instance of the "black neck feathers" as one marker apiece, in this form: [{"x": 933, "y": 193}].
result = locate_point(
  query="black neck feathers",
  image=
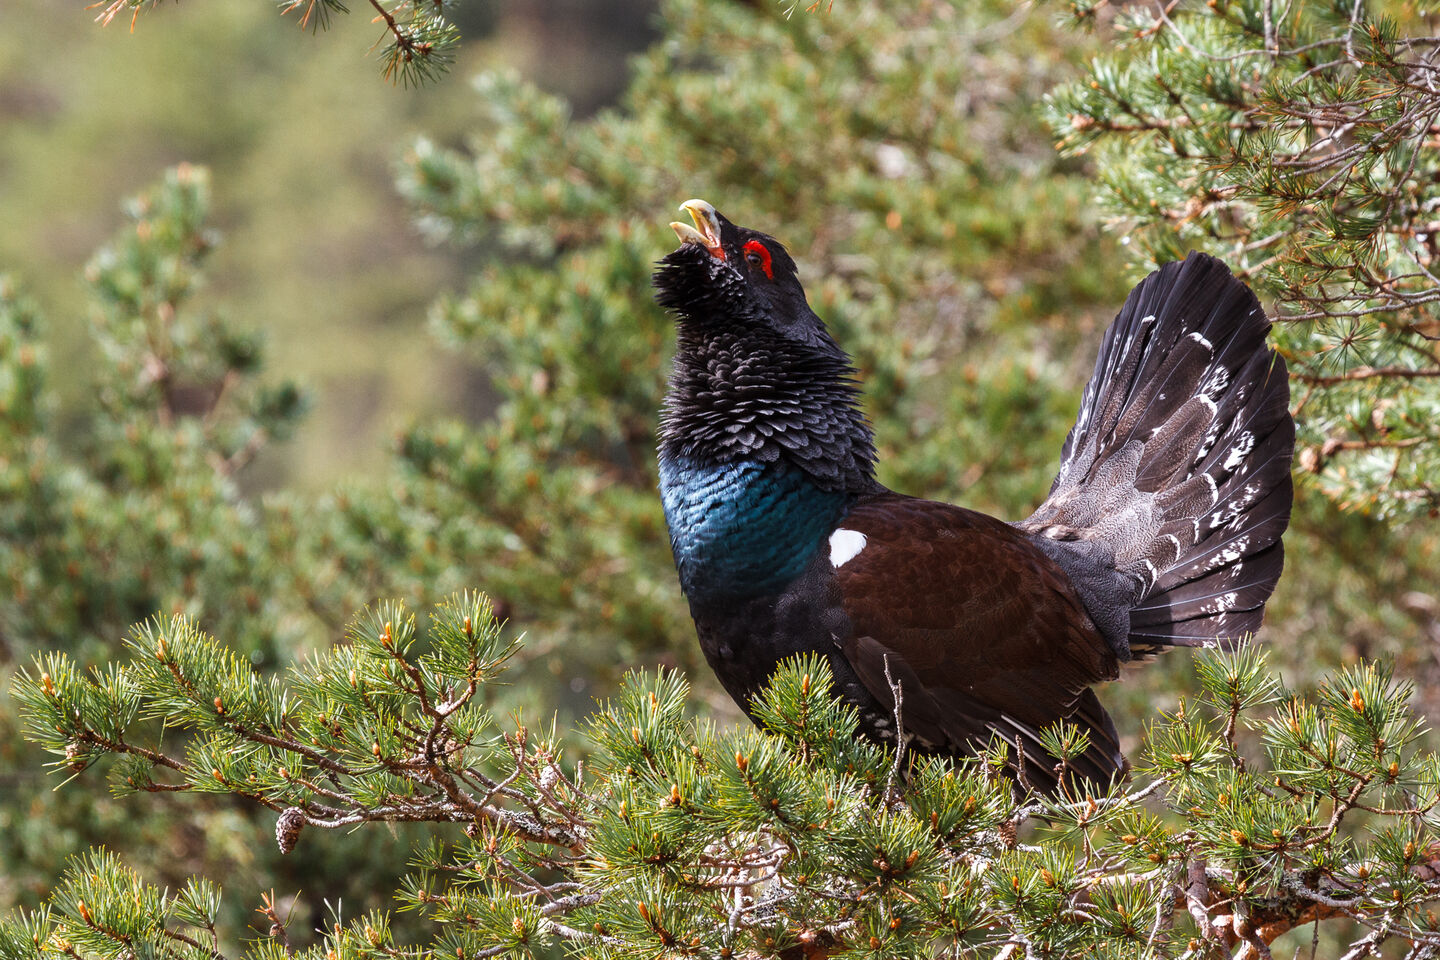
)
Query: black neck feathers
[{"x": 753, "y": 394}]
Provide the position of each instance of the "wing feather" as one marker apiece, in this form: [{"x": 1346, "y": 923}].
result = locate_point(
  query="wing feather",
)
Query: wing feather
[{"x": 981, "y": 630}]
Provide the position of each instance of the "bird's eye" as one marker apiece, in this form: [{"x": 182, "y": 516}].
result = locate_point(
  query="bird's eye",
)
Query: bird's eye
[{"x": 758, "y": 255}]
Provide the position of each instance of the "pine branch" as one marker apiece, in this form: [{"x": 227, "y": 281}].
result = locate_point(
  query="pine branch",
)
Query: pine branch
[
  {"x": 687, "y": 839},
  {"x": 1299, "y": 148},
  {"x": 421, "y": 36}
]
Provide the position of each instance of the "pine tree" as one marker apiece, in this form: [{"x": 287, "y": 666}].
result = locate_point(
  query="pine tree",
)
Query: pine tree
[{"x": 1298, "y": 143}]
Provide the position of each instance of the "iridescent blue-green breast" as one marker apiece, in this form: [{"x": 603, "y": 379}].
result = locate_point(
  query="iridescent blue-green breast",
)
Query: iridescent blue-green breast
[{"x": 744, "y": 528}]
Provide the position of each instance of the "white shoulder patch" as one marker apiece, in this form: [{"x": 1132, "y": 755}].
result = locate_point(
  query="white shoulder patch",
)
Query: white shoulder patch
[{"x": 845, "y": 545}]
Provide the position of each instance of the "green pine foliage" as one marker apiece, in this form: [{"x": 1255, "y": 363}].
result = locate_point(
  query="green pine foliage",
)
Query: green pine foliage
[
  {"x": 1297, "y": 143},
  {"x": 417, "y": 46},
  {"x": 1254, "y": 813}
]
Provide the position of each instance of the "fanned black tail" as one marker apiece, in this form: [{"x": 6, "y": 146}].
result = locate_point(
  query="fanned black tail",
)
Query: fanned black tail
[{"x": 1178, "y": 464}]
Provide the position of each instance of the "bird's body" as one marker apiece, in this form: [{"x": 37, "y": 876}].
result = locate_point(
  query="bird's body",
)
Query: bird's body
[{"x": 1162, "y": 528}]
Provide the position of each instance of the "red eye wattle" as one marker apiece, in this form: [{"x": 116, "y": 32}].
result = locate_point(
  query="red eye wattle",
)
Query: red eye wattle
[{"x": 756, "y": 253}]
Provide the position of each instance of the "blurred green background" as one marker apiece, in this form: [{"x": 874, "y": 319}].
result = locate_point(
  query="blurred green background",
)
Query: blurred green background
[{"x": 320, "y": 252}]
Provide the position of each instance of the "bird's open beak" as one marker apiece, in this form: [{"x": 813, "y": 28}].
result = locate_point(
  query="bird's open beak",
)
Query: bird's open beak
[{"x": 705, "y": 233}]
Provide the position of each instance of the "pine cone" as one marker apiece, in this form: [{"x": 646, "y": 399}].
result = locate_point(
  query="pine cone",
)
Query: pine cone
[{"x": 288, "y": 827}]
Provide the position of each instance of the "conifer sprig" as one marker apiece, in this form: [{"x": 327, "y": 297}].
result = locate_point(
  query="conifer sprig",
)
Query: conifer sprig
[
  {"x": 417, "y": 46},
  {"x": 420, "y": 39},
  {"x": 110, "y": 9}
]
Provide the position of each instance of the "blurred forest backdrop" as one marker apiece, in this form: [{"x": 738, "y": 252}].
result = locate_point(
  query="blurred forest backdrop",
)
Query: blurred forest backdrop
[
  {"x": 479, "y": 357},
  {"x": 320, "y": 251}
]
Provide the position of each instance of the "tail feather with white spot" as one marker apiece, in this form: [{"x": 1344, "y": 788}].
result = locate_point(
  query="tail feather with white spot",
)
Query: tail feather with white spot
[{"x": 1179, "y": 461}]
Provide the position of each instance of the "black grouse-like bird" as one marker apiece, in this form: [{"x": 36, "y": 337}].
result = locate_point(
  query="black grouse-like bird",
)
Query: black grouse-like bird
[{"x": 1162, "y": 528}]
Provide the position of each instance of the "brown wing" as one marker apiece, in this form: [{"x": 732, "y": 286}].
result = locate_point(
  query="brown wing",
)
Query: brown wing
[{"x": 982, "y": 631}]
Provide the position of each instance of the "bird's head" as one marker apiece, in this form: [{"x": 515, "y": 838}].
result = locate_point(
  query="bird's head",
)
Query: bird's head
[
  {"x": 724, "y": 277},
  {"x": 757, "y": 376}
]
